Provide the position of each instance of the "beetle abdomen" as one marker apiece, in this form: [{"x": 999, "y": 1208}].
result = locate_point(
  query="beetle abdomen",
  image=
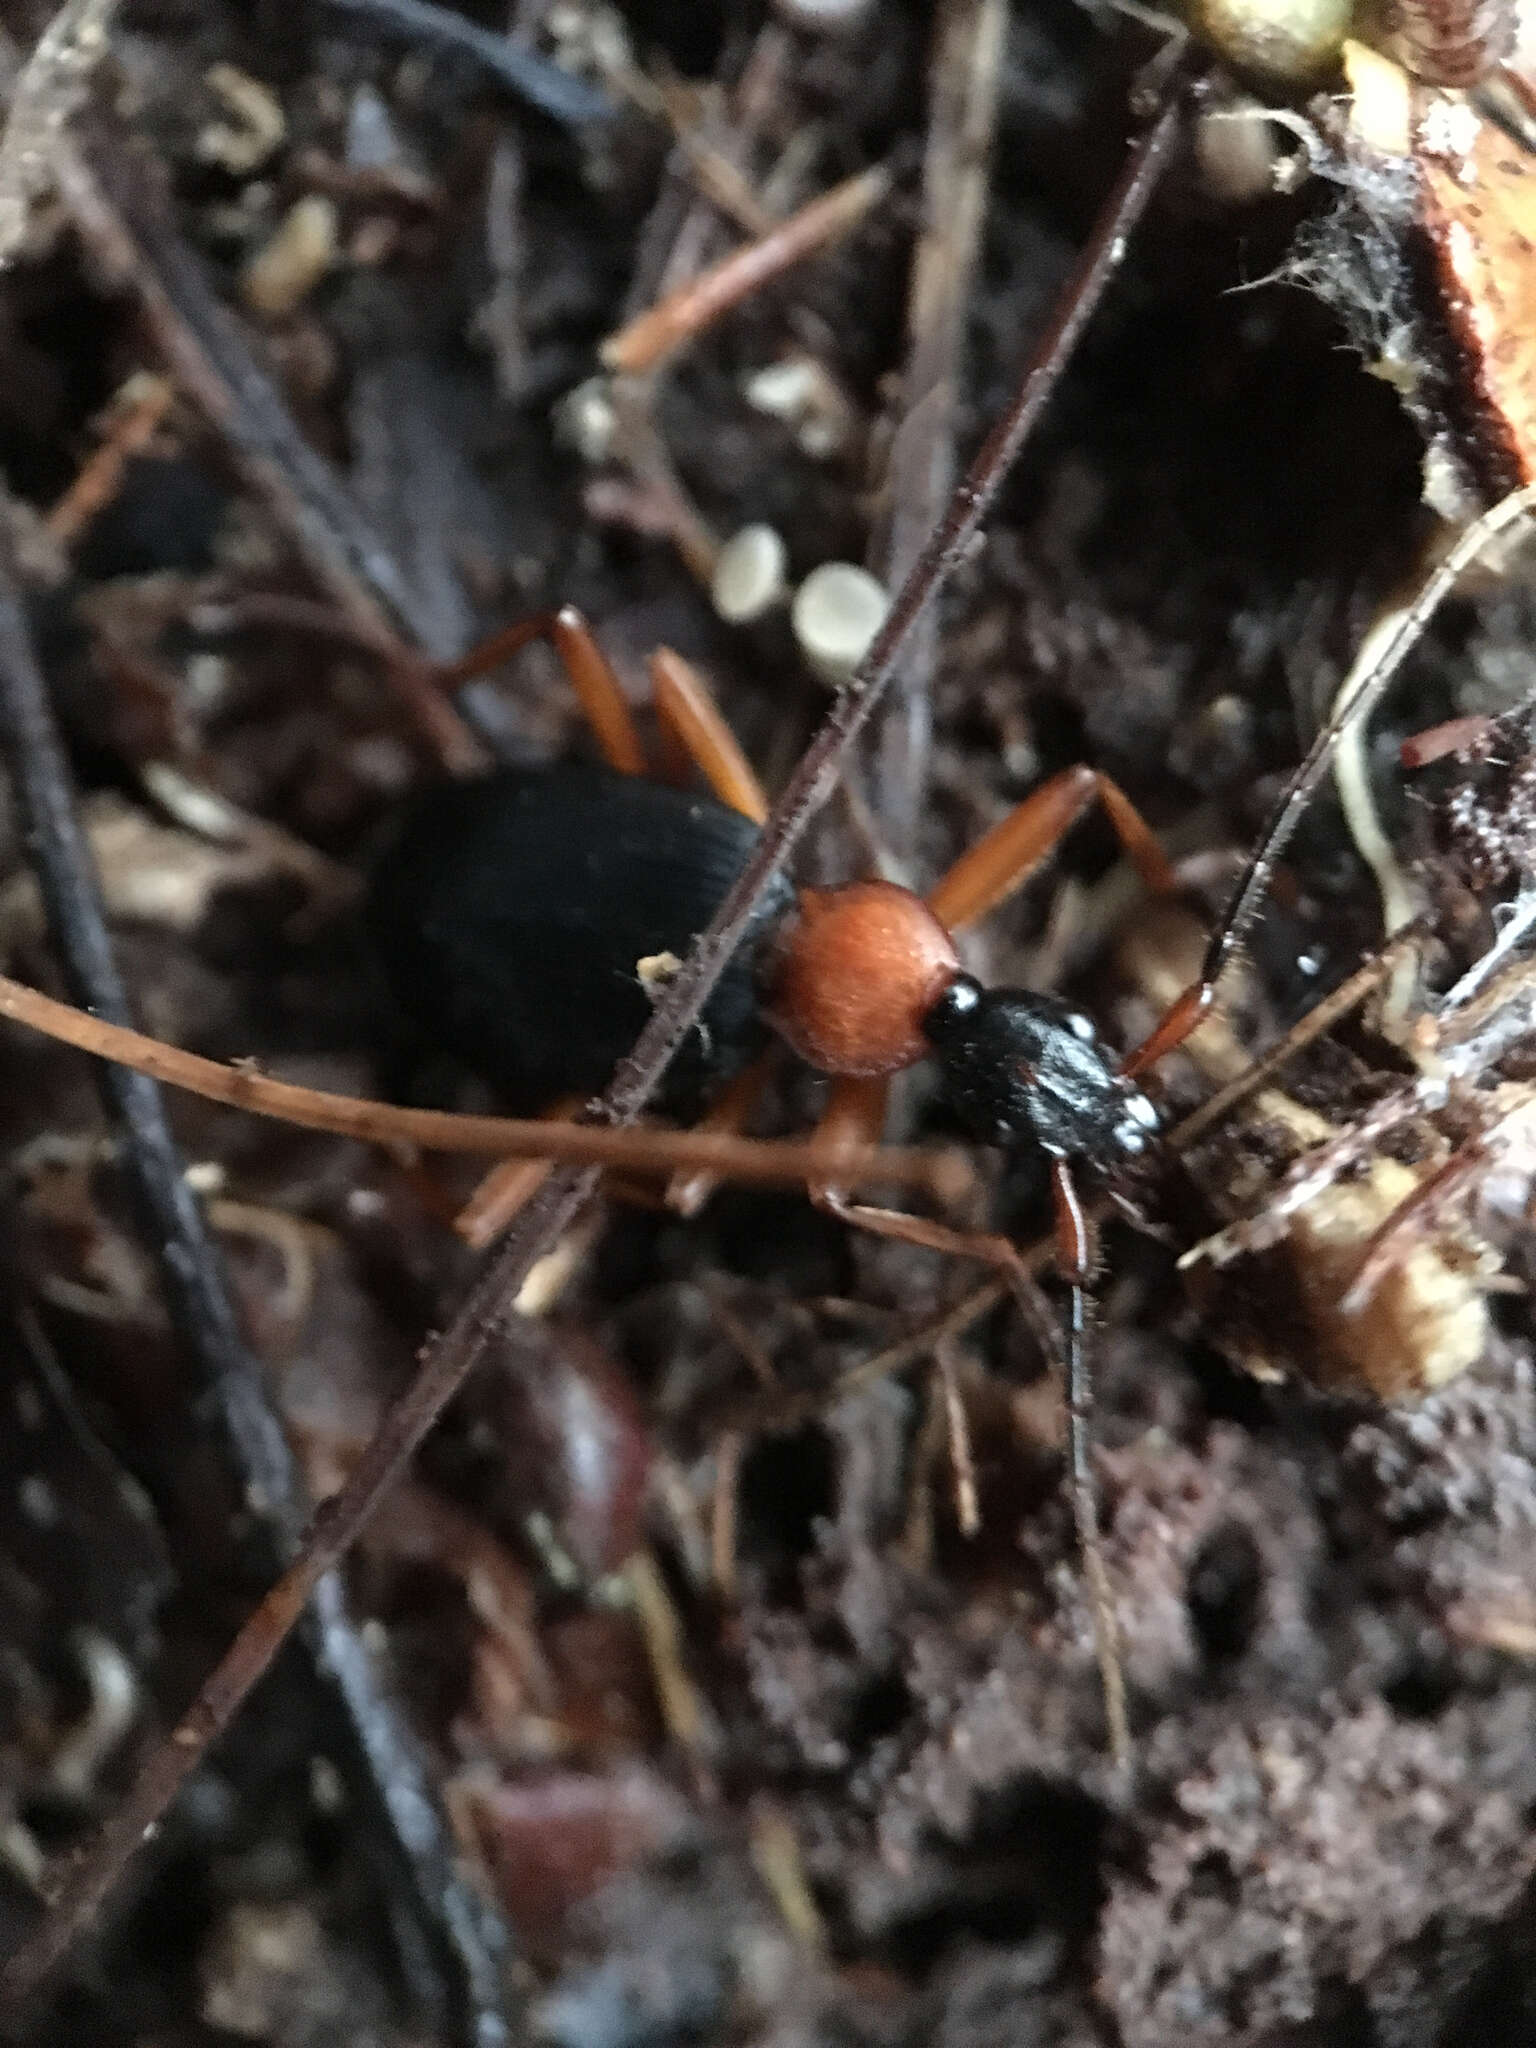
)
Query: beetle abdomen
[{"x": 511, "y": 913}]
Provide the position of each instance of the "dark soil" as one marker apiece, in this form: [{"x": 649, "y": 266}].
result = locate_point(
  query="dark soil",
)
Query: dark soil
[{"x": 891, "y": 1819}]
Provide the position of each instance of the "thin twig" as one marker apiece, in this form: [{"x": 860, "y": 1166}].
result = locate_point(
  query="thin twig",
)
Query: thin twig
[
  {"x": 138, "y": 411},
  {"x": 683, "y": 227},
  {"x": 645, "y": 344},
  {"x": 770, "y": 1161},
  {"x": 379, "y": 1751},
  {"x": 964, "y": 77},
  {"x": 560, "y": 94},
  {"x": 491, "y": 1303}
]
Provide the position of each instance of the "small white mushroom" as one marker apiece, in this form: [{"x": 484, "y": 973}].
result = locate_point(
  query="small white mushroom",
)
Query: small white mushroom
[
  {"x": 113, "y": 1709},
  {"x": 585, "y": 420},
  {"x": 804, "y": 394},
  {"x": 837, "y": 612},
  {"x": 1238, "y": 152},
  {"x": 750, "y": 575}
]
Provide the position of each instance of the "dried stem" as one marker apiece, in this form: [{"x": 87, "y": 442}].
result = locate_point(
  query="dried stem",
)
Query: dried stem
[
  {"x": 45, "y": 97},
  {"x": 754, "y": 1160},
  {"x": 644, "y": 345},
  {"x": 491, "y": 1304}
]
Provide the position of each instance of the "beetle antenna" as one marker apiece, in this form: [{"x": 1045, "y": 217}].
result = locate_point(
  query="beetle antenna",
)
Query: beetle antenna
[
  {"x": 1085, "y": 1516},
  {"x": 1075, "y": 1257}
]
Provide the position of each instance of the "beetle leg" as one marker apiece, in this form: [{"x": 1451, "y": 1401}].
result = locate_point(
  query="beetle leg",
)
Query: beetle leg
[
  {"x": 693, "y": 732},
  {"x": 502, "y": 1193},
  {"x": 510, "y": 1185},
  {"x": 730, "y": 1111},
  {"x": 1182, "y": 1017},
  {"x": 1008, "y": 855},
  {"x": 855, "y": 1113},
  {"x": 592, "y": 677},
  {"x": 506, "y": 1188}
]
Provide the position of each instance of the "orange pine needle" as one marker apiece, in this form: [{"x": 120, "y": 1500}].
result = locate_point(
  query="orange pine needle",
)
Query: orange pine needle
[{"x": 648, "y": 340}]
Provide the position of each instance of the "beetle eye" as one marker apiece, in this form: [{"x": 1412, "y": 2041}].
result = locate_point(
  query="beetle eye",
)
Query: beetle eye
[{"x": 1081, "y": 1026}]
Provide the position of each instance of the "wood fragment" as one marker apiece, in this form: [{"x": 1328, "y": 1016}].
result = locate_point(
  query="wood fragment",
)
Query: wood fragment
[{"x": 135, "y": 419}]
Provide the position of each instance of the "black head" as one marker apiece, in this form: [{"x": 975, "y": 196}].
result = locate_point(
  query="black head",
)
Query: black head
[{"x": 1021, "y": 1069}]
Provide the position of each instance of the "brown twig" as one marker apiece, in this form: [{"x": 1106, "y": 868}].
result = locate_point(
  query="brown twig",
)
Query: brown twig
[
  {"x": 683, "y": 226},
  {"x": 140, "y": 407},
  {"x": 646, "y": 343},
  {"x": 770, "y": 1161},
  {"x": 964, "y": 78},
  {"x": 446, "y": 1364},
  {"x": 1349, "y": 995},
  {"x": 679, "y": 234}
]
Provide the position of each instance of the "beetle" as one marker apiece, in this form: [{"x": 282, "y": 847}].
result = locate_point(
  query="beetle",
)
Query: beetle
[{"x": 522, "y": 919}]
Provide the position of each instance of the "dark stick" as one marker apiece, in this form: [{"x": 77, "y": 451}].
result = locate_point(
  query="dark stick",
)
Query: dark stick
[
  {"x": 492, "y": 1301},
  {"x": 560, "y": 94},
  {"x": 438, "y": 1915}
]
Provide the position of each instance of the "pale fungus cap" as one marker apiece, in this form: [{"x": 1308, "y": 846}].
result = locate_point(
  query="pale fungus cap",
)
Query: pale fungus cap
[
  {"x": 750, "y": 575},
  {"x": 837, "y": 612},
  {"x": 803, "y": 393},
  {"x": 586, "y": 421}
]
